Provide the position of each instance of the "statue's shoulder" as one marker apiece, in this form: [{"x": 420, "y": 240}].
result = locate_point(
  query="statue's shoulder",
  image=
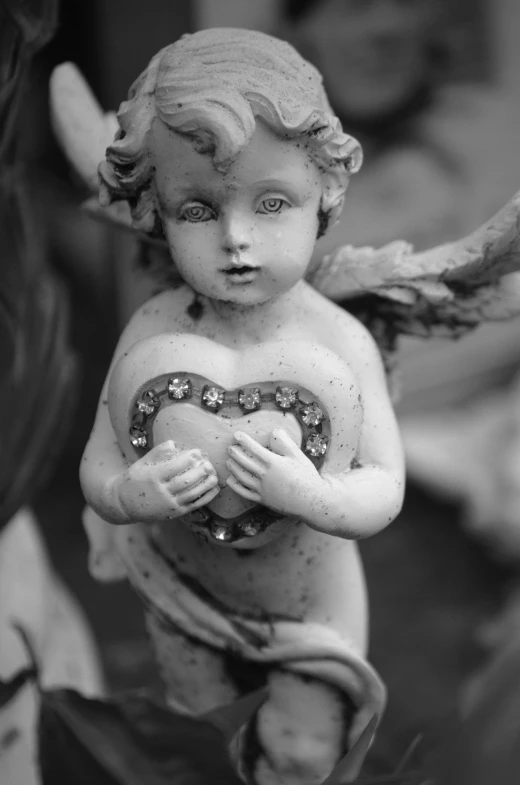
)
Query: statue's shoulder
[
  {"x": 330, "y": 313},
  {"x": 342, "y": 331}
]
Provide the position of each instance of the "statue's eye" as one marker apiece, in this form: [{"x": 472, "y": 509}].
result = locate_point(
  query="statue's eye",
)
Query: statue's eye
[
  {"x": 196, "y": 212},
  {"x": 273, "y": 205}
]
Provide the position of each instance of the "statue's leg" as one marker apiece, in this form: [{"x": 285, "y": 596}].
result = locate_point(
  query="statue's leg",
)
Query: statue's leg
[
  {"x": 300, "y": 730},
  {"x": 195, "y": 675}
]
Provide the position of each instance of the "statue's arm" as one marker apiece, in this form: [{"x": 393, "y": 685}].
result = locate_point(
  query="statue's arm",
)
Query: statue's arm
[
  {"x": 364, "y": 500},
  {"x": 164, "y": 484},
  {"x": 353, "y": 504},
  {"x": 103, "y": 462}
]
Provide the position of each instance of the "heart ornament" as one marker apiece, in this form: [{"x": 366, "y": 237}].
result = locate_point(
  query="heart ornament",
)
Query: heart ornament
[{"x": 198, "y": 393}]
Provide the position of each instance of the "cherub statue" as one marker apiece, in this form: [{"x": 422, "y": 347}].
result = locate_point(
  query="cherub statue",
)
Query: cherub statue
[{"x": 245, "y": 436}]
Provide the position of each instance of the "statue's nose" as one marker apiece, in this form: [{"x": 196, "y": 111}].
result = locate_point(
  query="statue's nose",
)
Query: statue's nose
[{"x": 237, "y": 235}]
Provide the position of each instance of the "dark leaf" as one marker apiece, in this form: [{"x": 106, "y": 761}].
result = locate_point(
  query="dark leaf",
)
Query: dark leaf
[
  {"x": 409, "y": 754},
  {"x": 229, "y": 719},
  {"x": 130, "y": 740}
]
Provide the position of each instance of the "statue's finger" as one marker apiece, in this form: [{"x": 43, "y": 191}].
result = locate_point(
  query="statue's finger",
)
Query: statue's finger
[{"x": 245, "y": 493}]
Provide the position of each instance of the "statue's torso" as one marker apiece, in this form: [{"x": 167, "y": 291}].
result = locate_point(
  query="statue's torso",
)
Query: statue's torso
[{"x": 298, "y": 572}]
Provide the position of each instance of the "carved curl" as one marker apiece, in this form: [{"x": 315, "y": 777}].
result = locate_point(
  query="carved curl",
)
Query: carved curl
[{"x": 211, "y": 87}]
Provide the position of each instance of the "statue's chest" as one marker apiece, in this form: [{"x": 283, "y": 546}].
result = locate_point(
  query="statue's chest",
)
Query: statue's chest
[{"x": 199, "y": 393}]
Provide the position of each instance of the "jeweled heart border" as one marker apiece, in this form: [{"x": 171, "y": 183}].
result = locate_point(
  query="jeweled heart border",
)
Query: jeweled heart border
[
  {"x": 172, "y": 388},
  {"x": 180, "y": 387}
]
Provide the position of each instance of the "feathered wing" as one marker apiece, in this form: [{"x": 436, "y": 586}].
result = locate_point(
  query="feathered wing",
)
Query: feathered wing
[{"x": 444, "y": 291}]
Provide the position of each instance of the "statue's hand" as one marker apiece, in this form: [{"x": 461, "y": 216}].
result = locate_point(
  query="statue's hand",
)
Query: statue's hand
[
  {"x": 165, "y": 484},
  {"x": 281, "y": 477}
]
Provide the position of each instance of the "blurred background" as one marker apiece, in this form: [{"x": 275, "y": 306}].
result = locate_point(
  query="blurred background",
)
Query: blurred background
[{"x": 431, "y": 88}]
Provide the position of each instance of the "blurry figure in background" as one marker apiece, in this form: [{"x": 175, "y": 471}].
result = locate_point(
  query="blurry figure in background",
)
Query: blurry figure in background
[
  {"x": 440, "y": 157},
  {"x": 470, "y": 454},
  {"x": 44, "y": 638},
  {"x": 427, "y": 143}
]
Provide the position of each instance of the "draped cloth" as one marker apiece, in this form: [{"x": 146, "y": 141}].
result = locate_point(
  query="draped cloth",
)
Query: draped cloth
[{"x": 298, "y": 647}]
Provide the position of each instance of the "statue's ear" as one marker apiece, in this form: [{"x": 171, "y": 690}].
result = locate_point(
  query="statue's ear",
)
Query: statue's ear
[
  {"x": 333, "y": 199},
  {"x": 335, "y": 211},
  {"x": 337, "y": 179}
]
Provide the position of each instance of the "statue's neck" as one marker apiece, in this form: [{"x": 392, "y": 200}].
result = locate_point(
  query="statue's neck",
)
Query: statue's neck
[{"x": 249, "y": 320}]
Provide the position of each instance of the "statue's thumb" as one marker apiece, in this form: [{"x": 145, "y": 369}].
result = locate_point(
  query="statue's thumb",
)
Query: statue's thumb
[{"x": 163, "y": 451}]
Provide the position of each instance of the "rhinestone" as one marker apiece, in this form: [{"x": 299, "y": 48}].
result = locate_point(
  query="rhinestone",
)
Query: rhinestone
[
  {"x": 138, "y": 437},
  {"x": 249, "y": 398},
  {"x": 285, "y": 397},
  {"x": 148, "y": 403},
  {"x": 249, "y": 529},
  {"x": 179, "y": 388},
  {"x": 316, "y": 445},
  {"x": 213, "y": 397},
  {"x": 312, "y": 414},
  {"x": 221, "y": 533}
]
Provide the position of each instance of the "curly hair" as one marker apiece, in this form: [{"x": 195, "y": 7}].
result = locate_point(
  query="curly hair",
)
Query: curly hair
[{"x": 211, "y": 86}]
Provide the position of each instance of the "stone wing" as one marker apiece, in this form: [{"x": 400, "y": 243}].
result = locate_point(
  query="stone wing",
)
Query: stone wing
[{"x": 444, "y": 291}]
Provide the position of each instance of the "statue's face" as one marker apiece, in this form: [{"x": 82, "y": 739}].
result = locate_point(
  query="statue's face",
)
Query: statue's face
[{"x": 245, "y": 235}]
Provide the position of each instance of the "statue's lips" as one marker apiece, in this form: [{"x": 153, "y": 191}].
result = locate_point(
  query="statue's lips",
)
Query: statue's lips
[
  {"x": 189, "y": 425},
  {"x": 242, "y": 274}
]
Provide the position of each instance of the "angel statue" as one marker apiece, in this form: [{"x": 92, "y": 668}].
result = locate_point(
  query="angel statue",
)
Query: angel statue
[{"x": 245, "y": 437}]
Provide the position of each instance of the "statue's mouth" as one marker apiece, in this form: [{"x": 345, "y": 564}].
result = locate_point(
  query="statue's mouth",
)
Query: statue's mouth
[{"x": 245, "y": 273}]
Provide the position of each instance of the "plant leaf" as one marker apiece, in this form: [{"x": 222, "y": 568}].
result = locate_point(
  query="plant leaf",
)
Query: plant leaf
[
  {"x": 230, "y": 718},
  {"x": 130, "y": 740}
]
